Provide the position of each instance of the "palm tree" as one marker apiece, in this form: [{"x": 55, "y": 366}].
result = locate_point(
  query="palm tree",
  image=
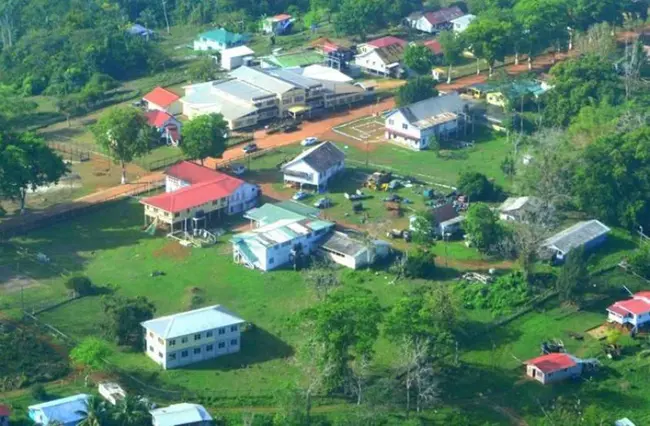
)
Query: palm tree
[
  {"x": 95, "y": 414},
  {"x": 132, "y": 411}
]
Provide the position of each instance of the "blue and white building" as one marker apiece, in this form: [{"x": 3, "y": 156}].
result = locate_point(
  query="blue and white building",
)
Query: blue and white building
[
  {"x": 65, "y": 411},
  {"x": 188, "y": 337}
]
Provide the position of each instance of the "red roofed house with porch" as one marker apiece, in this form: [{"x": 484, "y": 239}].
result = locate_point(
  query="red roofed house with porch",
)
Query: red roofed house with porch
[
  {"x": 5, "y": 412},
  {"x": 433, "y": 22},
  {"x": 193, "y": 191},
  {"x": 553, "y": 367},
  {"x": 166, "y": 124},
  {"x": 382, "y": 42},
  {"x": 634, "y": 312},
  {"x": 160, "y": 99}
]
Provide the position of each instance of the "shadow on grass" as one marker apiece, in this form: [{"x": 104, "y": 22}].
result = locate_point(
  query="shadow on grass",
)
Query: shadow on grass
[
  {"x": 477, "y": 335},
  {"x": 257, "y": 346}
]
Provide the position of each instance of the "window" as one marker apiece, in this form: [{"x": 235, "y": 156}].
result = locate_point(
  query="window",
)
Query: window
[
  {"x": 221, "y": 345},
  {"x": 160, "y": 355},
  {"x": 184, "y": 340},
  {"x": 184, "y": 354},
  {"x": 151, "y": 334},
  {"x": 197, "y": 351},
  {"x": 405, "y": 126},
  {"x": 209, "y": 348},
  {"x": 215, "y": 202},
  {"x": 233, "y": 328},
  {"x": 299, "y": 98},
  {"x": 271, "y": 261},
  {"x": 391, "y": 121},
  {"x": 171, "y": 357},
  {"x": 208, "y": 334},
  {"x": 172, "y": 342},
  {"x": 222, "y": 331},
  {"x": 176, "y": 214},
  {"x": 161, "y": 341},
  {"x": 197, "y": 336},
  {"x": 233, "y": 342},
  {"x": 150, "y": 348}
]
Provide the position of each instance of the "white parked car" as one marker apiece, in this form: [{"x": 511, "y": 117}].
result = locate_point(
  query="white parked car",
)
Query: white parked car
[{"x": 309, "y": 141}]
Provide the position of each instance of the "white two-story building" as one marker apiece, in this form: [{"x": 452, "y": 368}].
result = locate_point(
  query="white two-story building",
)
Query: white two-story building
[
  {"x": 415, "y": 124},
  {"x": 314, "y": 167},
  {"x": 188, "y": 337},
  {"x": 633, "y": 313}
]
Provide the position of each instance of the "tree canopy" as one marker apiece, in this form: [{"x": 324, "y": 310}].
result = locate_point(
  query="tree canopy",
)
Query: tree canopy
[
  {"x": 123, "y": 318},
  {"x": 415, "y": 90},
  {"x": 205, "y": 136},
  {"x": 482, "y": 226},
  {"x": 419, "y": 58}
]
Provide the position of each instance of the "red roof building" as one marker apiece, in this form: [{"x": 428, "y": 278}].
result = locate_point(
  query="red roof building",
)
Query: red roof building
[
  {"x": 163, "y": 99},
  {"x": 193, "y": 190},
  {"x": 158, "y": 119},
  {"x": 387, "y": 41},
  {"x": 282, "y": 17},
  {"x": 434, "y": 46},
  {"x": 634, "y": 312},
  {"x": 553, "y": 367},
  {"x": 443, "y": 16},
  {"x": 4, "y": 411}
]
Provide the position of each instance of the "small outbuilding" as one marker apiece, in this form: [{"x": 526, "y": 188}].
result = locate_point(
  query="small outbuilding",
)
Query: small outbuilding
[
  {"x": 624, "y": 422},
  {"x": 588, "y": 234},
  {"x": 160, "y": 99},
  {"x": 5, "y": 413},
  {"x": 235, "y": 57},
  {"x": 517, "y": 208},
  {"x": 181, "y": 415},
  {"x": 65, "y": 411},
  {"x": 350, "y": 252},
  {"x": 553, "y": 367},
  {"x": 111, "y": 392}
]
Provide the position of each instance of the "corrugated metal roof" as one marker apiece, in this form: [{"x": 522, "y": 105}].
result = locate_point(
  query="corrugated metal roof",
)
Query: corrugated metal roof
[
  {"x": 432, "y": 111},
  {"x": 262, "y": 80},
  {"x": 320, "y": 158},
  {"x": 341, "y": 243},
  {"x": 180, "y": 414},
  {"x": 577, "y": 235},
  {"x": 190, "y": 322},
  {"x": 64, "y": 410}
]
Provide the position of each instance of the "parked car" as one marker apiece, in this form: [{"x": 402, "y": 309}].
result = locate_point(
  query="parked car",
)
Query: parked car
[
  {"x": 300, "y": 195},
  {"x": 238, "y": 169},
  {"x": 291, "y": 128},
  {"x": 248, "y": 148},
  {"x": 323, "y": 203},
  {"x": 309, "y": 141}
]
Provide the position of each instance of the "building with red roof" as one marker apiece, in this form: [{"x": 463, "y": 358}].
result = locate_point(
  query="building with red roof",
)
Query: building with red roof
[
  {"x": 5, "y": 412},
  {"x": 196, "y": 195},
  {"x": 434, "y": 46},
  {"x": 168, "y": 126},
  {"x": 434, "y": 22},
  {"x": 633, "y": 313},
  {"x": 278, "y": 24},
  {"x": 160, "y": 99},
  {"x": 553, "y": 367}
]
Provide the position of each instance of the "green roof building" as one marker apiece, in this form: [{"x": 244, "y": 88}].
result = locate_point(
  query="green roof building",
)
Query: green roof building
[{"x": 219, "y": 39}]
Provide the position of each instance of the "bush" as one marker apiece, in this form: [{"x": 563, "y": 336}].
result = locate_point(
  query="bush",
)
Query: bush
[
  {"x": 90, "y": 353},
  {"x": 640, "y": 261},
  {"x": 420, "y": 264},
  {"x": 478, "y": 188},
  {"x": 502, "y": 297},
  {"x": 80, "y": 284},
  {"x": 38, "y": 392}
]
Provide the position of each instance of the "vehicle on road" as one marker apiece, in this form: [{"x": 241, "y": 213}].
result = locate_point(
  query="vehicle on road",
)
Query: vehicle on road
[
  {"x": 309, "y": 141},
  {"x": 291, "y": 128},
  {"x": 248, "y": 148}
]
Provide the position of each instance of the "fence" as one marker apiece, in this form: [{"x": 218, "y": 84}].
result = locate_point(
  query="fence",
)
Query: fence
[
  {"x": 72, "y": 151},
  {"x": 21, "y": 224},
  {"x": 160, "y": 163}
]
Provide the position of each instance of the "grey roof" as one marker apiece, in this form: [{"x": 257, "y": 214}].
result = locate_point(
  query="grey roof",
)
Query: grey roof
[
  {"x": 576, "y": 235},
  {"x": 444, "y": 213},
  {"x": 390, "y": 54},
  {"x": 241, "y": 90},
  {"x": 320, "y": 158},
  {"x": 343, "y": 244},
  {"x": 420, "y": 114},
  {"x": 191, "y": 322},
  {"x": 295, "y": 78},
  {"x": 514, "y": 204},
  {"x": 261, "y": 79},
  {"x": 214, "y": 101},
  {"x": 180, "y": 414}
]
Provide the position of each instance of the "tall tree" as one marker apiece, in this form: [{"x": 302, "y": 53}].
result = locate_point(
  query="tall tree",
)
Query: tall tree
[
  {"x": 488, "y": 35},
  {"x": 26, "y": 162},
  {"x": 346, "y": 323},
  {"x": 360, "y": 17},
  {"x": 573, "y": 279},
  {"x": 482, "y": 227},
  {"x": 453, "y": 46},
  {"x": 124, "y": 316},
  {"x": 419, "y": 58},
  {"x": 131, "y": 411},
  {"x": 124, "y": 133},
  {"x": 415, "y": 90},
  {"x": 204, "y": 69},
  {"x": 96, "y": 412},
  {"x": 205, "y": 136},
  {"x": 542, "y": 22}
]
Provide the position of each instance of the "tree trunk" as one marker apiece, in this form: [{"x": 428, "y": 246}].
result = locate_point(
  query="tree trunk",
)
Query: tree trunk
[
  {"x": 449, "y": 75},
  {"x": 490, "y": 69},
  {"x": 23, "y": 197},
  {"x": 67, "y": 119},
  {"x": 308, "y": 407},
  {"x": 123, "y": 181},
  {"x": 516, "y": 57},
  {"x": 530, "y": 63},
  {"x": 201, "y": 159},
  {"x": 164, "y": 6},
  {"x": 478, "y": 66}
]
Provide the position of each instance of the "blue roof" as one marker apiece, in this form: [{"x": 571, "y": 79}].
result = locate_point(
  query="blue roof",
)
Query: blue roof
[
  {"x": 222, "y": 36},
  {"x": 64, "y": 410}
]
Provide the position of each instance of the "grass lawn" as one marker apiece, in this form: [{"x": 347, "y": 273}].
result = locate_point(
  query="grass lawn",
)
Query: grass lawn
[{"x": 444, "y": 167}]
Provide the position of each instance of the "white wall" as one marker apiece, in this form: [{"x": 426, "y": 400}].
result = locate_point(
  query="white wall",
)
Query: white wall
[
  {"x": 423, "y": 25},
  {"x": 174, "y": 184},
  {"x": 174, "y": 108},
  {"x": 372, "y": 61},
  {"x": 205, "y": 44},
  {"x": 245, "y": 197},
  {"x": 302, "y": 167}
]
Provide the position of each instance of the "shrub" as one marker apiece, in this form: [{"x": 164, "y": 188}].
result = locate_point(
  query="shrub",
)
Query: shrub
[
  {"x": 80, "y": 284},
  {"x": 502, "y": 297},
  {"x": 477, "y": 187},
  {"x": 420, "y": 264},
  {"x": 90, "y": 353},
  {"x": 38, "y": 392}
]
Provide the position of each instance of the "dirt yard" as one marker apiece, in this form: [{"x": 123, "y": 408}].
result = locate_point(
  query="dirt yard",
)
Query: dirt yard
[
  {"x": 173, "y": 250},
  {"x": 12, "y": 282}
]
